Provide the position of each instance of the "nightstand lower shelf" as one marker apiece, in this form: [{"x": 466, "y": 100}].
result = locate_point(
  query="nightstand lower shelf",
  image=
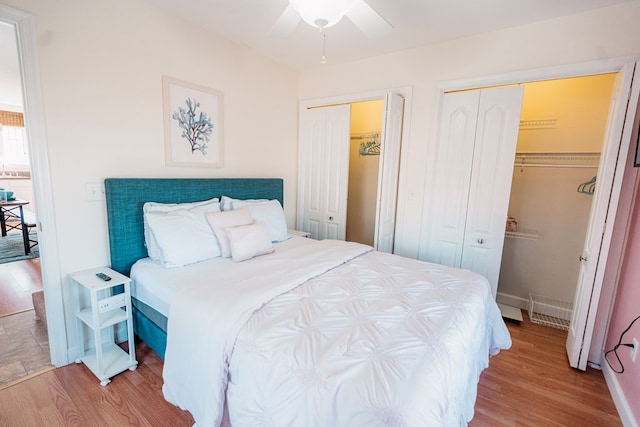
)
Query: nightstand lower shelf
[{"x": 114, "y": 361}]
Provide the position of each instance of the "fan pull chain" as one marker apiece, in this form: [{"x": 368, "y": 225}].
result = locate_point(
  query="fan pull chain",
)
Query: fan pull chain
[{"x": 323, "y": 60}]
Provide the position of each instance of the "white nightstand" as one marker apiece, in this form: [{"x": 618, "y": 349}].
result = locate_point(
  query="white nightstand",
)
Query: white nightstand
[
  {"x": 104, "y": 311},
  {"x": 299, "y": 233}
]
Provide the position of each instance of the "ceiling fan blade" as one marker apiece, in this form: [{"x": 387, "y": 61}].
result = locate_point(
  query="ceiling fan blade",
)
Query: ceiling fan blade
[
  {"x": 286, "y": 23},
  {"x": 368, "y": 20}
]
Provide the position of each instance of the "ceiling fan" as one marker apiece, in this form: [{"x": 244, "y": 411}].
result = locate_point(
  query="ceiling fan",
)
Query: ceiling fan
[{"x": 323, "y": 14}]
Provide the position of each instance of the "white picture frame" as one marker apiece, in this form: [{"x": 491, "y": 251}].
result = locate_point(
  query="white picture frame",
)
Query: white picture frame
[{"x": 193, "y": 124}]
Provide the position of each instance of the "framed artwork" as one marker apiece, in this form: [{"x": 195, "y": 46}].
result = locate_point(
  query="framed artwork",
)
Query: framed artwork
[{"x": 193, "y": 124}]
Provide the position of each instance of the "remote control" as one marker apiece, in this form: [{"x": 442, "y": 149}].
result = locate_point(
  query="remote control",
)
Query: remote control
[{"x": 103, "y": 277}]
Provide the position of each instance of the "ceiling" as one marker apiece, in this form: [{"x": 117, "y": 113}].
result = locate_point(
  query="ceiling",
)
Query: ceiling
[{"x": 415, "y": 23}]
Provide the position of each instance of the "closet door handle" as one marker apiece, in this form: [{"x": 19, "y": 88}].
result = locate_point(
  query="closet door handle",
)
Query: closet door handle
[
  {"x": 330, "y": 218},
  {"x": 480, "y": 241},
  {"x": 582, "y": 258}
]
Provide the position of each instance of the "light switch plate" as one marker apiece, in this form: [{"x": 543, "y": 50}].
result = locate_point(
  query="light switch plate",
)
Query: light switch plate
[{"x": 95, "y": 191}]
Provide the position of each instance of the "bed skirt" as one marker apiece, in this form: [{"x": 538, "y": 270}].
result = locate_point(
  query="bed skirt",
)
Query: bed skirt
[{"x": 150, "y": 326}]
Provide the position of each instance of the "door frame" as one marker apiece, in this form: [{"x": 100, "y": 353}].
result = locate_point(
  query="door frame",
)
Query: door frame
[
  {"x": 35, "y": 125},
  {"x": 406, "y": 93},
  {"x": 598, "y": 239},
  {"x": 613, "y": 65}
]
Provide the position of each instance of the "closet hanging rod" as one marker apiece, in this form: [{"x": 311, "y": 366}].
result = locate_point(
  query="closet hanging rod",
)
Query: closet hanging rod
[
  {"x": 559, "y": 155},
  {"x": 542, "y": 165}
]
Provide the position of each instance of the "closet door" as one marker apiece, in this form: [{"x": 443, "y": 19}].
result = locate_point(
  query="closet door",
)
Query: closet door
[
  {"x": 593, "y": 259},
  {"x": 476, "y": 145},
  {"x": 324, "y": 171},
  {"x": 389, "y": 171},
  {"x": 453, "y": 161},
  {"x": 491, "y": 176}
]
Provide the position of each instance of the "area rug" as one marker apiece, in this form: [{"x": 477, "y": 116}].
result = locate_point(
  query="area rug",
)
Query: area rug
[{"x": 12, "y": 248}]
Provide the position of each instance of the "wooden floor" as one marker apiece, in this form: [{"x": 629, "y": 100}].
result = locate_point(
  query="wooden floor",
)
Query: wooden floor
[
  {"x": 532, "y": 385},
  {"x": 72, "y": 396},
  {"x": 529, "y": 385},
  {"x": 18, "y": 280}
]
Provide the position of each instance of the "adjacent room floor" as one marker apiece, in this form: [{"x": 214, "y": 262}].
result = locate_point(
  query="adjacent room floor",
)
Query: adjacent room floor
[
  {"x": 24, "y": 347},
  {"x": 24, "y": 343}
]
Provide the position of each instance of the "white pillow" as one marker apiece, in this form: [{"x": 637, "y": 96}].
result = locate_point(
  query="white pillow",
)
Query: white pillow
[
  {"x": 220, "y": 221},
  {"x": 271, "y": 213},
  {"x": 249, "y": 241},
  {"x": 183, "y": 237},
  {"x": 227, "y": 202},
  {"x": 212, "y": 205}
]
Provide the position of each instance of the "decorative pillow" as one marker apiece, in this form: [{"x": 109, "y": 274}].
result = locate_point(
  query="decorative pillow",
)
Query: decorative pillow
[
  {"x": 220, "y": 221},
  {"x": 249, "y": 241},
  {"x": 183, "y": 237},
  {"x": 227, "y": 202},
  {"x": 271, "y": 213},
  {"x": 212, "y": 205}
]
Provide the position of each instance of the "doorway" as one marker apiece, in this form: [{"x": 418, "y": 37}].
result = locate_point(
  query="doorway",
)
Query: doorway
[
  {"x": 17, "y": 208},
  {"x": 24, "y": 27},
  {"x": 25, "y": 348},
  {"x": 364, "y": 165},
  {"x": 349, "y": 163},
  {"x": 562, "y": 129}
]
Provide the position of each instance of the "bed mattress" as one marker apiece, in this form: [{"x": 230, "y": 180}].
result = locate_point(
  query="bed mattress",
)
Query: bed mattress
[{"x": 156, "y": 287}]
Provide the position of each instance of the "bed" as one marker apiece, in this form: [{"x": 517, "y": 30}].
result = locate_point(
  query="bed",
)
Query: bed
[{"x": 311, "y": 333}]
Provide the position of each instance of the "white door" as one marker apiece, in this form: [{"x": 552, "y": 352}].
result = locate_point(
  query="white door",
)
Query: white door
[
  {"x": 605, "y": 201},
  {"x": 324, "y": 171},
  {"x": 389, "y": 171},
  {"x": 491, "y": 176},
  {"x": 477, "y": 139},
  {"x": 452, "y": 174}
]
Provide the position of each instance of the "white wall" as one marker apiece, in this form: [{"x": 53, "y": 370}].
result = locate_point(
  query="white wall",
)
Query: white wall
[
  {"x": 101, "y": 65},
  {"x": 596, "y": 35},
  {"x": 545, "y": 201}
]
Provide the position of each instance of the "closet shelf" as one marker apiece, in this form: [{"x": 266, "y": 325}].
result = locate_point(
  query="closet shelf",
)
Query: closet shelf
[
  {"x": 523, "y": 234},
  {"x": 557, "y": 160}
]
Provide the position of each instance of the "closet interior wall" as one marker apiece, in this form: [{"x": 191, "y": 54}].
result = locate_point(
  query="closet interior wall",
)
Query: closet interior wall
[
  {"x": 561, "y": 134},
  {"x": 366, "y": 129}
]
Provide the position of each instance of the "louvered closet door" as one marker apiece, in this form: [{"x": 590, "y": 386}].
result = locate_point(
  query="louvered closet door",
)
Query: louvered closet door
[{"x": 491, "y": 175}]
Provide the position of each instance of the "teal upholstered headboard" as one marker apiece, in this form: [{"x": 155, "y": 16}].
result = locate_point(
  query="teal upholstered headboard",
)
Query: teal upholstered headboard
[{"x": 125, "y": 197}]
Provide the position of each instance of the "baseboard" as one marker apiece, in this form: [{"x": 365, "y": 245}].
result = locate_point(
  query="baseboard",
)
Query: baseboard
[
  {"x": 624, "y": 410},
  {"x": 513, "y": 301}
]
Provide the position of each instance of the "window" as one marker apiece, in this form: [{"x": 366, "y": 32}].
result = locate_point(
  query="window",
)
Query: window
[
  {"x": 14, "y": 150},
  {"x": 14, "y": 153}
]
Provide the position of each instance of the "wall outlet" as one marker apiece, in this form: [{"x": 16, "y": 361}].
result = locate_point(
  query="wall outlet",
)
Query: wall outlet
[
  {"x": 634, "y": 350},
  {"x": 111, "y": 303}
]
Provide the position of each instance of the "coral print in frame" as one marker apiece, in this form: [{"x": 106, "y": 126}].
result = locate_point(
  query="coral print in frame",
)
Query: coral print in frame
[{"x": 192, "y": 124}]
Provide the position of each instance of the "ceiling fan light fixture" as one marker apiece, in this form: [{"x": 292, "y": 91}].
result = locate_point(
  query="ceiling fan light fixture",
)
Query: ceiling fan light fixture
[{"x": 321, "y": 14}]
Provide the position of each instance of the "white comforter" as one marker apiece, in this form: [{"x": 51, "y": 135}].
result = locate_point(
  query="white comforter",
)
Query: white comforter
[{"x": 362, "y": 339}]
